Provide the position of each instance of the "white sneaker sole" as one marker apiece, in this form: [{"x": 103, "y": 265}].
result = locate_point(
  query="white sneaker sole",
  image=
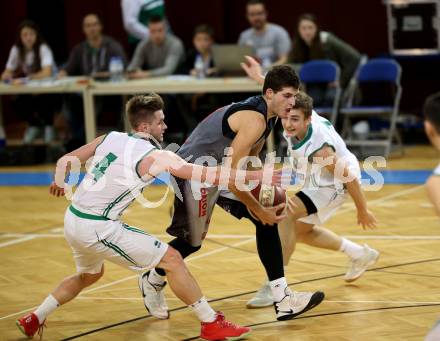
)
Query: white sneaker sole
[
  {"x": 258, "y": 306},
  {"x": 315, "y": 300},
  {"x": 232, "y": 338}
]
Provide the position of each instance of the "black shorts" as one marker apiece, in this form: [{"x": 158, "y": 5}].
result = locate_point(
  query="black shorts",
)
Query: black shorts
[{"x": 191, "y": 217}]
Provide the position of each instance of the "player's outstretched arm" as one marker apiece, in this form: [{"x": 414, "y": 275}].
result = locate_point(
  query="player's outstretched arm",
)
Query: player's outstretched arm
[
  {"x": 165, "y": 161},
  {"x": 72, "y": 160},
  {"x": 433, "y": 189},
  {"x": 253, "y": 70},
  {"x": 327, "y": 157}
]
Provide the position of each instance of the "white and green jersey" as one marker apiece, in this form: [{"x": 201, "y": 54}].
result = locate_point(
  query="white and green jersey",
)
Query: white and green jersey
[
  {"x": 320, "y": 133},
  {"x": 112, "y": 181},
  {"x": 437, "y": 171}
]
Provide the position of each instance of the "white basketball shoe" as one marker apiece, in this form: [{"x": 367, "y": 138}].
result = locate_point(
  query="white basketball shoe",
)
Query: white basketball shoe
[
  {"x": 295, "y": 303},
  {"x": 154, "y": 299},
  {"x": 356, "y": 267},
  {"x": 263, "y": 297}
]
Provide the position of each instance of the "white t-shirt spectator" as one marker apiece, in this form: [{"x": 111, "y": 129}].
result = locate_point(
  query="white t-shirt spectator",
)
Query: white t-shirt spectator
[{"x": 46, "y": 58}]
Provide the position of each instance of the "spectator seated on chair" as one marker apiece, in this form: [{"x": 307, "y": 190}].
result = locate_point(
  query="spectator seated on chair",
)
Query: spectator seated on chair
[
  {"x": 159, "y": 55},
  {"x": 311, "y": 43},
  {"x": 91, "y": 57},
  {"x": 31, "y": 59},
  {"x": 271, "y": 42}
]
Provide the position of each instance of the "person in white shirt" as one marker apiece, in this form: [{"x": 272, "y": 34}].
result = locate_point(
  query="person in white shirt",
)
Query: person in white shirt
[
  {"x": 120, "y": 166},
  {"x": 30, "y": 58},
  {"x": 327, "y": 171},
  {"x": 432, "y": 128}
]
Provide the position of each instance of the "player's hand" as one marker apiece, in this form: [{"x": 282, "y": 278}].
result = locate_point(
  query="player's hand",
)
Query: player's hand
[
  {"x": 55, "y": 190},
  {"x": 268, "y": 215},
  {"x": 366, "y": 219},
  {"x": 253, "y": 69}
]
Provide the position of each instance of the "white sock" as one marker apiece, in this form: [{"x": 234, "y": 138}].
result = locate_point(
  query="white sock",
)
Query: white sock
[
  {"x": 155, "y": 278},
  {"x": 203, "y": 310},
  {"x": 352, "y": 250},
  {"x": 278, "y": 286},
  {"x": 48, "y": 305}
]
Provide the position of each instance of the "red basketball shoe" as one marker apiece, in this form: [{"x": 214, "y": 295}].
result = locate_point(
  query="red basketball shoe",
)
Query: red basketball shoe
[
  {"x": 29, "y": 325},
  {"x": 220, "y": 329}
]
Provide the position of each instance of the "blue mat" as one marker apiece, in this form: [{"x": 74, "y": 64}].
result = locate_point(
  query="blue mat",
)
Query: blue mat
[{"x": 391, "y": 177}]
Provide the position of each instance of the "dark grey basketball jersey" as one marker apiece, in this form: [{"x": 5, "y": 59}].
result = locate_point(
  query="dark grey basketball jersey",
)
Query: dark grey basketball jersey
[{"x": 213, "y": 134}]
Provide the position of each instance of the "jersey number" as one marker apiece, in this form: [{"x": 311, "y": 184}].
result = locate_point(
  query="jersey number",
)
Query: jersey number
[{"x": 102, "y": 165}]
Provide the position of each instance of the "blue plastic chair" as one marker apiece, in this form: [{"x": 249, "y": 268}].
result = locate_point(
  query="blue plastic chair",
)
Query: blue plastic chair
[
  {"x": 383, "y": 71},
  {"x": 323, "y": 72}
]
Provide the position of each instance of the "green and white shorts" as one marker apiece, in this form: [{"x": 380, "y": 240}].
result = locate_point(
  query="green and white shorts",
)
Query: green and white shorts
[{"x": 94, "y": 238}]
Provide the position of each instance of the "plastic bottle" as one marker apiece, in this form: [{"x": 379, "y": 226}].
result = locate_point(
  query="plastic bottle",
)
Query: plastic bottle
[
  {"x": 116, "y": 68},
  {"x": 2, "y": 137},
  {"x": 199, "y": 66}
]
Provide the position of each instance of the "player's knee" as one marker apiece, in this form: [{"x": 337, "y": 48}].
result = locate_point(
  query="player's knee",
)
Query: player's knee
[
  {"x": 88, "y": 279},
  {"x": 184, "y": 247},
  {"x": 172, "y": 259}
]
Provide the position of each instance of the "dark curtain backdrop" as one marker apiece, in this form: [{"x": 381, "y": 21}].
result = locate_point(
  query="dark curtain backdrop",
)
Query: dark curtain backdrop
[{"x": 361, "y": 24}]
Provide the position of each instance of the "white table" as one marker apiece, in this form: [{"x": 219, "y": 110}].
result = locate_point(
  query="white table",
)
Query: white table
[{"x": 165, "y": 85}]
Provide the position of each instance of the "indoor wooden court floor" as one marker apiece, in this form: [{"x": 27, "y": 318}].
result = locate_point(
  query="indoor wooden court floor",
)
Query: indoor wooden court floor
[{"x": 399, "y": 299}]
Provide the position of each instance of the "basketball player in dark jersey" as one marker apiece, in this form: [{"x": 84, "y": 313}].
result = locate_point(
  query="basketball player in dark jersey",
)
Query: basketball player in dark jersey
[{"x": 239, "y": 130}]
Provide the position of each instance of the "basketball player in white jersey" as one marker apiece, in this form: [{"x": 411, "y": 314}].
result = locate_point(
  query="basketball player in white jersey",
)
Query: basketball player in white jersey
[
  {"x": 327, "y": 170},
  {"x": 120, "y": 166},
  {"x": 432, "y": 129}
]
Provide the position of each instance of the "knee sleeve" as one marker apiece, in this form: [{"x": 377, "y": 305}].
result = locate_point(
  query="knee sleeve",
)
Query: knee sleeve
[{"x": 184, "y": 248}]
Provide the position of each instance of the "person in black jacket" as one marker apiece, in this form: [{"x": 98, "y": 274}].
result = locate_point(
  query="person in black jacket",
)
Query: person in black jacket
[
  {"x": 90, "y": 57},
  {"x": 311, "y": 43}
]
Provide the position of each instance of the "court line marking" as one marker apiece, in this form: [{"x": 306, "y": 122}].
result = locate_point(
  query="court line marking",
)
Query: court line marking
[
  {"x": 25, "y": 236},
  {"x": 352, "y": 207},
  {"x": 396, "y": 194},
  {"x": 22, "y": 239},
  {"x": 229, "y": 297},
  {"x": 238, "y": 300},
  {"x": 203, "y": 255}
]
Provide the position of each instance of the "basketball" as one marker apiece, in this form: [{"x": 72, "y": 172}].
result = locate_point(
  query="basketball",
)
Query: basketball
[{"x": 269, "y": 196}]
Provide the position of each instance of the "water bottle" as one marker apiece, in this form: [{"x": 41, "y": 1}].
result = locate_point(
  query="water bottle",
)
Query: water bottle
[
  {"x": 116, "y": 68},
  {"x": 199, "y": 66},
  {"x": 2, "y": 137}
]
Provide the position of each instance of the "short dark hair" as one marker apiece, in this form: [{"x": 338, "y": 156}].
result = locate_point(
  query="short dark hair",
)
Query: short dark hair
[
  {"x": 94, "y": 15},
  {"x": 304, "y": 103},
  {"x": 141, "y": 108},
  {"x": 279, "y": 77},
  {"x": 431, "y": 110},
  {"x": 255, "y": 2},
  {"x": 155, "y": 19},
  {"x": 204, "y": 29}
]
